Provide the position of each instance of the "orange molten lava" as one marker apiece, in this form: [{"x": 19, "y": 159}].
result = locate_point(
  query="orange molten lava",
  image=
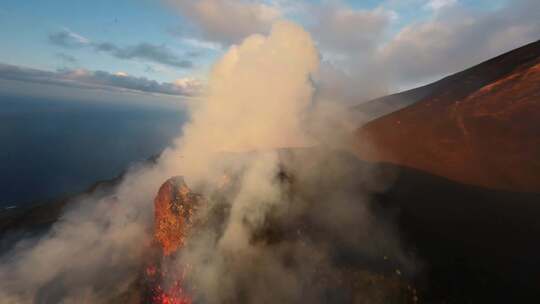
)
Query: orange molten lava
[
  {"x": 174, "y": 205},
  {"x": 173, "y": 295}
]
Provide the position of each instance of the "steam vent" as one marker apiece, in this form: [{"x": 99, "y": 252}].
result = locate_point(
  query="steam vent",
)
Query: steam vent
[{"x": 175, "y": 205}]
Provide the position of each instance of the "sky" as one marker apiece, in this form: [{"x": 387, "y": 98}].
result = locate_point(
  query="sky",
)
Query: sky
[{"x": 163, "y": 49}]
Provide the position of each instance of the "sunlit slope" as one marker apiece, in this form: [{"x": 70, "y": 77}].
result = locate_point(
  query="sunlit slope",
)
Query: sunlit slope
[{"x": 480, "y": 126}]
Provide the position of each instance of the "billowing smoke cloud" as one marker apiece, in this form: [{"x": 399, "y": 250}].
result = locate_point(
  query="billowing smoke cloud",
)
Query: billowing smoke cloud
[
  {"x": 261, "y": 97},
  {"x": 256, "y": 96},
  {"x": 90, "y": 255}
]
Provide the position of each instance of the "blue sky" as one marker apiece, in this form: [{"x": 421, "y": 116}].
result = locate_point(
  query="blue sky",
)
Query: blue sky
[
  {"x": 27, "y": 25},
  {"x": 175, "y": 42}
]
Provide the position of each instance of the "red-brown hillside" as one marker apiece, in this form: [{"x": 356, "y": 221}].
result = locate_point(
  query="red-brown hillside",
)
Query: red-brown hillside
[{"x": 480, "y": 126}]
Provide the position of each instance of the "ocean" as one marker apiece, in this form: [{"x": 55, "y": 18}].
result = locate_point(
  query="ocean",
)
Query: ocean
[{"x": 50, "y": 148}]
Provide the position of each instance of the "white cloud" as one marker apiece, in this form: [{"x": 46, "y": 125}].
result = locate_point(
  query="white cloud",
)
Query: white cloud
[
  {"x": 189, "y": 85},
  {"x": 372, "y": 63},
  {"x": 202, "y": 44},
  {"x": 358, "y": 47},
  {"x": 346, "y": 30},
  {"x": 458, "y": 38},
  {"x": 120, "y": 74},
  {"x": 68, "y": 38},
  {"x": 99, "y": 80},
  {"x": 226, "y": 21},
  {"x": 439, "y": 4},
  {"x": 161, "y": 54}
]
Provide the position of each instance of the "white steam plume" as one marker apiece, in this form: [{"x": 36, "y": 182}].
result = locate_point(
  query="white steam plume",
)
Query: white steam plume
[
  {"x": 260, "y": 98},
  {"x": 257, "y": 95}
]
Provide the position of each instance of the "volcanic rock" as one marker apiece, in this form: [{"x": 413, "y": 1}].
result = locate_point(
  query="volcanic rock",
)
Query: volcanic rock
[{"x": 479, "y": 126}]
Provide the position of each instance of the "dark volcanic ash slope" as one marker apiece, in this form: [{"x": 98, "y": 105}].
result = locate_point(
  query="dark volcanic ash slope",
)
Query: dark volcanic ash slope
[{"x": 480, "y": 126}]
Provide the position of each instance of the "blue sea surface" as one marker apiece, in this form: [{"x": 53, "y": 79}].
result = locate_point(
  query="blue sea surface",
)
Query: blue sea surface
[{"x": 50, "y": 148}]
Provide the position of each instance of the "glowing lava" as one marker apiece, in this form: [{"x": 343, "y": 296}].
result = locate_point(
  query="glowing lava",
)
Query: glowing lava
[{"x": 175, "y": 205}]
